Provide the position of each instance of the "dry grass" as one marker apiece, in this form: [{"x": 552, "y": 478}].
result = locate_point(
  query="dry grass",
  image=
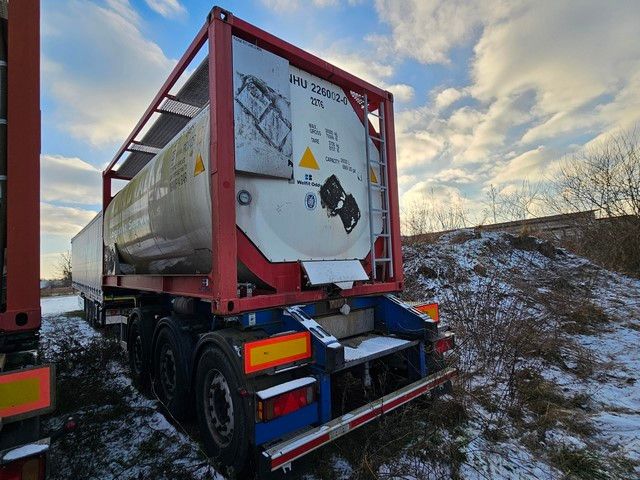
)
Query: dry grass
[{"x": 510, "y": 328}]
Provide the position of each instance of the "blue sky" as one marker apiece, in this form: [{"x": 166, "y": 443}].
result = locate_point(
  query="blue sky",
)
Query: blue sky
[{"x": 487, "y": 92}]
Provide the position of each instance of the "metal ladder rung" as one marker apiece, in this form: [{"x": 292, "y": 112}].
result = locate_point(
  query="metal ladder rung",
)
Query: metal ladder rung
[{"x": 381, "y": 186}]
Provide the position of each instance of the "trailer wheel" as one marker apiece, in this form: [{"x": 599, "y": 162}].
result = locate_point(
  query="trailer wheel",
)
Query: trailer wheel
[
  {"x": 171, "y": 379},
  {"x": 223, "y": 415},
  {"x": 137, "y": 359}
]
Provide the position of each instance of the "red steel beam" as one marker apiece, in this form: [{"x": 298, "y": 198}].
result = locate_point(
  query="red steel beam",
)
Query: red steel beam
[
  {"x": 180, "y": 67},
  {"x": 198, "y": 286},
  {"x": 23, "y": 169},
  {"x": 224, "y": 276},
  {"x": 187, "y": 285}
]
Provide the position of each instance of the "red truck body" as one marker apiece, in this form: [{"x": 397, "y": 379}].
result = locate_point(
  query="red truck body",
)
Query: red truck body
[
  {"x": 22, "y": 311},
  {"x": 27, "y": 389}
]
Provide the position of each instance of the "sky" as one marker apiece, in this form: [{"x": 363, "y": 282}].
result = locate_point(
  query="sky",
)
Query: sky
[{"x": 486, "y": 92}]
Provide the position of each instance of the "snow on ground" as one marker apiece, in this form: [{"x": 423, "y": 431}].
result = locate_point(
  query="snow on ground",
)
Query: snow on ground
[
  {"x": 568, "y": 411},
  {"x": 596, "y": 311},
  {"x": 52, "y": 306},
  {"x": 123, "y": 433}
]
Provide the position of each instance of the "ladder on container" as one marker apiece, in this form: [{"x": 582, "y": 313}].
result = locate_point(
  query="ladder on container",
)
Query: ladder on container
[{"x": 381, "y": 187}]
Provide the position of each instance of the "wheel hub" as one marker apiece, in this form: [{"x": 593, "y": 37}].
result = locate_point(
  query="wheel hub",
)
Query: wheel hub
[
  {"x": 219, "y": 411},
  {"x": 168, "y": 373}
]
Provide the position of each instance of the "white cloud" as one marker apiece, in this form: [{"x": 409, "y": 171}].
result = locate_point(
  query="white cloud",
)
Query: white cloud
[
  {"x": 464, "y": 120},
  {"x": 446, "y": 97},
  {"x": 419, "y": 138},
  {"x": 401, "y": 92},
  {"x": 570, "y": 54},
  {"x": 69, "y": 180},
  {"x": 493, "y": 127},
  {"x": 290, "y": 5},
  {"x": 124, "y": 9},
  {"x": 167, "y": 8},
  {"x": 543, "y": 77},
  {"x": 531, "y": 165},
  {"x": 101, "y": 90},
  {"x": 64, "y": 221},
  {"x": 57, "y": 226},
  {"x": 374, "y": 72},
  {"x": 454, "y": 175},
  {"x": 427, "y": 29}
]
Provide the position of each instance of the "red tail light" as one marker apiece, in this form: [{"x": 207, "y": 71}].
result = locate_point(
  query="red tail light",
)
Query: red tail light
[
  {"x": 288, "y": 402},
  {"x": 444, "y": 344}
]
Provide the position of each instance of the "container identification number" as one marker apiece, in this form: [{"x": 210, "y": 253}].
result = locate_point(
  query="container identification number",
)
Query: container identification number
[{"x": 318, "y": 90}]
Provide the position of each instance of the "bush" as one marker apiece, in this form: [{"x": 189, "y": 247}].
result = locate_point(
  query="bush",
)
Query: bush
[{"x": 613, "y": 243}]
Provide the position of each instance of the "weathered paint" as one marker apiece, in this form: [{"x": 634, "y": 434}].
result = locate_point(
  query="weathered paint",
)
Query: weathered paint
[{"x": 301, "y": 179}]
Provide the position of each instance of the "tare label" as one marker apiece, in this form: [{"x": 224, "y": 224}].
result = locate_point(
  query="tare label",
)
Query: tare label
[{"x": 328, "y": 136}]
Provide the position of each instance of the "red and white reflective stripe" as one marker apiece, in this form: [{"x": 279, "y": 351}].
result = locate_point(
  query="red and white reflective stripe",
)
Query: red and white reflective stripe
[{"x": 290, "y": 450}]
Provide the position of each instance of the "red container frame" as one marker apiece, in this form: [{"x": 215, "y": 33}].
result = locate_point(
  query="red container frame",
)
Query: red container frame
[
  {"x": 229, "y": 243},
  {"x": 22, "y": 312}
]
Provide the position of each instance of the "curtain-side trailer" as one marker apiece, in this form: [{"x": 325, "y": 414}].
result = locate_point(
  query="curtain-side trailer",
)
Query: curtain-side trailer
[
  {"x": 258, "y": 241},
  {"x": 86, "y": 268},
  {"x": 86, "y": 278}
]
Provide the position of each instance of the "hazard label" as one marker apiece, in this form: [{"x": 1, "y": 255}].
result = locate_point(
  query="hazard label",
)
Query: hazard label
[
  {"x": 373, "y": 177},
  {"x": 308, "y": 160},
  {"x": 199, "y": 167}
]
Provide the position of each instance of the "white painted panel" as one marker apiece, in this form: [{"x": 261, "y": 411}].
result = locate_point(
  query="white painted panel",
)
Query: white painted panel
[
  {"x": 262, "y": 111},
  {"x": 322, "y": 214},
  {"x": 334, "y": 271}
]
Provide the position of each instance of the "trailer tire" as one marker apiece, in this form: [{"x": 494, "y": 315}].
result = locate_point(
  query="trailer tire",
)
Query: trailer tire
[
  {"x": 138, "y": 362},
  {"x": 224, "y": 415},
  {"x": 171, "y": 379}
]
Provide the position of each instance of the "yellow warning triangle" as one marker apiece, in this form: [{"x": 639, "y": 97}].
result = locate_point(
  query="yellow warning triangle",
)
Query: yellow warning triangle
[
  {"x": 308, "y": 160},
  {"x": 199, "y": 168},
  {"x": 373, "y": 177}
]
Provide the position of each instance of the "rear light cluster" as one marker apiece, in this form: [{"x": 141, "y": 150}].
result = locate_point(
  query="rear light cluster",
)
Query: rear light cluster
[
  {"x": 445, "y": 343},
  {"x": 25, "y": 469},
  {"x": 288, "y": 402}
]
